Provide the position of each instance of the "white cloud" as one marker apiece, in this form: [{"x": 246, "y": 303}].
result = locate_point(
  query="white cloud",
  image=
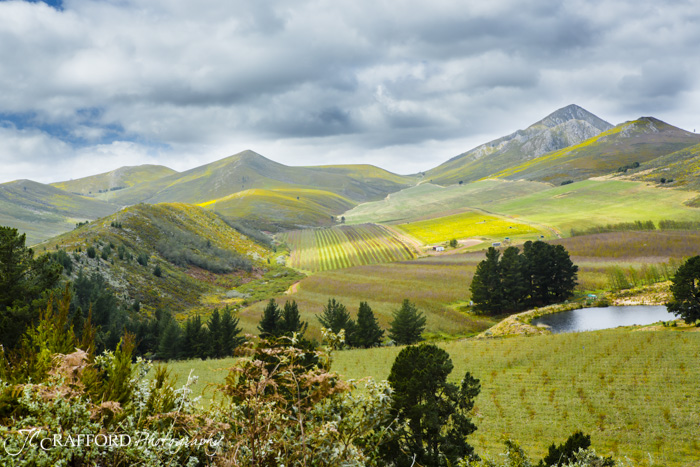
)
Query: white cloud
[{"x": 402, "y": 83}]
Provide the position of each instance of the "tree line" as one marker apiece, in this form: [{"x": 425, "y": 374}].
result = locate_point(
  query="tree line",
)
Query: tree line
[
  {"x": 406, "y": 327},
  {"x": 542, "y": 274}
]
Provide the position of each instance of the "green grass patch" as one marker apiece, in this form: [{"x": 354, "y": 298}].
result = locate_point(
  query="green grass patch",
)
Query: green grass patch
[{"x": 468, "y": 224}]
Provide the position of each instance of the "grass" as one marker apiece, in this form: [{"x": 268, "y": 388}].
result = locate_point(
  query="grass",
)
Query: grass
[
  {"x": 468, "y": 224},
  {"x": 431, "y": 200},
  {"x": 634, "y": 392},
  {"x": 598, "y": 202},
  {"x": 315, "y": 250},
  {"x": 435, "y": 284}
]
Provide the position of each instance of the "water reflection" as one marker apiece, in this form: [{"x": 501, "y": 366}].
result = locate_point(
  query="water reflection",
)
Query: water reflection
[{"x": 592, "y": 319}]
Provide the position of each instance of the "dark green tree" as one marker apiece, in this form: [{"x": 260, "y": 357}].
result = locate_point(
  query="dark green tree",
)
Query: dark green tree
[
  {"x": 514, "y": 287},
  {"x": 24, "y": 283},
  {"x": 487, "y": 288},
  {"x": 270, "y": 321},
  {"x": 565, "y": 274},
  {"x": 157, "y": 271},
  {"x": 195, "y": 338},
  {"x": 169, "y": 342},
  {"x": 367, "y": 332},
  {"x": 408, "y": 324},
  {"x": 336, "y": 317},
  {"x": 231, "y": 336},
  {"x": 436, "y": 412},
  {"x": 564, "y": 453},
  {"x": 685, "y": 287},
  {"x": 215, "y": 337},
  {"x": 291, "y": 321}
]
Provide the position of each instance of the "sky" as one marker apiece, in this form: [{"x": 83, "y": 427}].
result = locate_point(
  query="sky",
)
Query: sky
[{"x": 88, "y": 86}]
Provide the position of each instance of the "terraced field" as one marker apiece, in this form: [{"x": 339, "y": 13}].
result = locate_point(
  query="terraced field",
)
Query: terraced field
[
  {"x": 468, "y": 224},
  {"x": 340, "y": 247}
]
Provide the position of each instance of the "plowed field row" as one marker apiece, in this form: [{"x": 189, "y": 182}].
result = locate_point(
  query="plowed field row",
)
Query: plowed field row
[{"x": 344, "y": 246}]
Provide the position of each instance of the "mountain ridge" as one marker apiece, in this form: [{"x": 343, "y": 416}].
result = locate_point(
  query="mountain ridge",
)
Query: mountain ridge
[{"x": 562, "y": 128}]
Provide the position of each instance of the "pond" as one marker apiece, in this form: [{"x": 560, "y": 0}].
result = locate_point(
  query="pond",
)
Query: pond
[{"x": 592, "y": 319}]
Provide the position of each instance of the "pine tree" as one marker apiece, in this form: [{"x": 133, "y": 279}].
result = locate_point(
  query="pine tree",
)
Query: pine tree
[
  {"x": 291, "y": 320},
  {"x": 230, "y": 333},
  {"x": 408, "y": 324},
  {"x": 486, "y": 288},
  {"x": 270, "y": 321},
  {"x": 194, "y": 339},
  {"x": 513, "y": 285},
  {"x": 169, "y": 342},
  {"x": 336, "y": 317},
  {"x": 215, "y": 337},
  {"x": 367, "y": 332}
]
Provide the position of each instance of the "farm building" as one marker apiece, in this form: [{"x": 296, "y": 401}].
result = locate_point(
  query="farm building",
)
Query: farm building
[
  {"x": 496, "y": 244},
  {"x": 439, "y": 248}
]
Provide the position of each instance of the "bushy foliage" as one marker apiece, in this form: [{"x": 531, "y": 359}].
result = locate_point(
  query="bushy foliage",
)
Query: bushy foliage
[
  {"x": 620, "y": 227},
  {"x": 184, "y": 248},
  {"x": 514, "y": 456}
]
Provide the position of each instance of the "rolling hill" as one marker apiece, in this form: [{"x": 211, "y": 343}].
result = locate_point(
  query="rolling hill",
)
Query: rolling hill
[
  {"x": 565, "y": 127},
  {"x": 42, "y": 211},
  {"x": 103, "y": 185},
  {"x": 271, "y": 195},
  {"x": 631, "y": 142},
  {"x": 678, "y": 169},
  {"x": 200, "y": 256}
]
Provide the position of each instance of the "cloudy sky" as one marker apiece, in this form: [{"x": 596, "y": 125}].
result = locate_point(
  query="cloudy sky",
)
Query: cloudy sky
[{"x": 87, "y": 86}]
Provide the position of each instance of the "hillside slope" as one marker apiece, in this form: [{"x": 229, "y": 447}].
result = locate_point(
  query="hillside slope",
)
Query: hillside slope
[
  {"x": 678, "y": 169},
  {"x": 565, "y": 127},
  {"x": 42, "y": 211},
  {"x": 103, "y": 185},
  {"x": 637, "y": 141},
  {"x": 200, "y": 256}
]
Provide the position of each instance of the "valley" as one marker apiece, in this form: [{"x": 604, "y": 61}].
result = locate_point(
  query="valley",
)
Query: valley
[{"x": 236, "y": 233}]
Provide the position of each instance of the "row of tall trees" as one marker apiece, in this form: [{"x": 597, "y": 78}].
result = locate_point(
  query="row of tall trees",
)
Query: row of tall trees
[
  {"x": 406, "y": 327},
  {"x": 542, "y": 274}
]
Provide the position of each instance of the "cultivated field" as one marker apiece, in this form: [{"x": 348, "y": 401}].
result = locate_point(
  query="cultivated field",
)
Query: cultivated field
[
  {"x": 634, "y": 392},
  {"x": 316, "y": 250},
  {"x": 468, "y": 224}
]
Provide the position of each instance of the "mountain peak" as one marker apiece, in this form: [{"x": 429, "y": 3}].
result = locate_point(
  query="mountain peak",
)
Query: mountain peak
[{"x": 573, "y": 112}]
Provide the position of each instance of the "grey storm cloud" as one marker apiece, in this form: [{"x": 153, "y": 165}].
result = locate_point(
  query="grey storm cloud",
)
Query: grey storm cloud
[{"x": 405, "y": 84}]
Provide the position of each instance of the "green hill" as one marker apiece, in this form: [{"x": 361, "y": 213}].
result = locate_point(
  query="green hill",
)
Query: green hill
[
  {"x": 103, "y": 185},
  {"x": 200, "y": 256},
  {"x": 42, "y": 211},
  {"x": 563, "y": 128},
  {"x": 678, "y": 169},
  {"x": 250, "y": 186},
  {"x": 632, "y": 142}
]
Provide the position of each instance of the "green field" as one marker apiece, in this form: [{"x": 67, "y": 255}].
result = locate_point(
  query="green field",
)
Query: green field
[
  {"x": 594, "y": 202},
  {"x": 428, "y": 200},
  {"x": 316, "y": 250},
  {"x": 469, "y": 224},
  {"x": 577, "y": 205},
  {"x": 635, "y": 393}
]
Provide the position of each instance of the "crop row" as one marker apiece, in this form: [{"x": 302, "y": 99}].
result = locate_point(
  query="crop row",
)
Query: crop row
[{"x": 344, "y": 246}]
